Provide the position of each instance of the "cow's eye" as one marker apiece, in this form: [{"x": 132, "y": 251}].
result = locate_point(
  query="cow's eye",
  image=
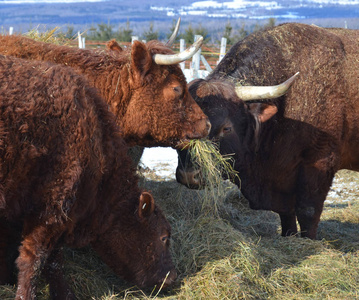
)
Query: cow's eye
[
  {"x": 227, "y": 129},
  {"x": 178, "y": 90},
  {"x": 165, "y": 238}
]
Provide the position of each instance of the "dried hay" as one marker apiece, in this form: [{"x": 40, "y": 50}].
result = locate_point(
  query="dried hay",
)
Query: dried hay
[
  {"x": 235, "y": 252},
  {"x": 53, "y": 36},
  {"x": 213, "y": 165},
  {"x": 231, "y": 254}
]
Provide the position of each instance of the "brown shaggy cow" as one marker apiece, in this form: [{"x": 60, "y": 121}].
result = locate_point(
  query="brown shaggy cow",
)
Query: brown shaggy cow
[
  {"x": 286, "y": 150},
  {"x": 147, "y": 93},
  {"x": 65, "y": 179}
]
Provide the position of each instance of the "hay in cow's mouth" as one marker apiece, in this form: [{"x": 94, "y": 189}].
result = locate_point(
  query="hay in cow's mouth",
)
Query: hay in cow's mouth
[{"x": 214, "y": 167}]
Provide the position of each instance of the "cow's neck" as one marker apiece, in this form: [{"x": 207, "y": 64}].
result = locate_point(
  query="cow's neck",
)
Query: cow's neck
[{"x": 254, "y": 177}]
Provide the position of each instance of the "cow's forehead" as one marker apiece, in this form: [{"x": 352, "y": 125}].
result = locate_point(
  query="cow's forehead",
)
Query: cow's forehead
[{"x": 167, "y": 74}]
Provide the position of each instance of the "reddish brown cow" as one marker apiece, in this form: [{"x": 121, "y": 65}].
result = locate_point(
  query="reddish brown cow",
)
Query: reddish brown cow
[
  {"x": 143, "y": 86},
  {"x": 286, "y": 150},
  {"x": 65, "y": 179}
]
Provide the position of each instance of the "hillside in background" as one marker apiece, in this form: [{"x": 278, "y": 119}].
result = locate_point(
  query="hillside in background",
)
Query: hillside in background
[{"x": 27, "y": 14}]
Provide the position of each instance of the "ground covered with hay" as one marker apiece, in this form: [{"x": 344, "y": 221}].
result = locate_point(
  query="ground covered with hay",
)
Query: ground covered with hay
[{"x": 224, "y": 250}]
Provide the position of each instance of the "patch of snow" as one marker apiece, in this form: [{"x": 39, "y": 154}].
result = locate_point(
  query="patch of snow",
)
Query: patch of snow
[
  {"x": 202, "y": 4},
  {"x": 193, "y": 13},
  {"x": 340, "y": 2},
  {"x": 163, "y": 161},
  {"x": 289, "y": 15}
]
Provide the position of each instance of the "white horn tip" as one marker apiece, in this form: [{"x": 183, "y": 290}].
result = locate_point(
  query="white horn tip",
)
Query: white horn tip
[
  {"x": 295, "y": 75},
  {"x": 199, "y": 40}
]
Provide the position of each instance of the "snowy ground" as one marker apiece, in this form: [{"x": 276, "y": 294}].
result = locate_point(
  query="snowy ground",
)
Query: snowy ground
[{"x": 163, "y": 161}]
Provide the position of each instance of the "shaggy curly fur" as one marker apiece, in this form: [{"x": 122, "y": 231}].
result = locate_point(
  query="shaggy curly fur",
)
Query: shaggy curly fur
[
  {"x": 151, "y": 102},
  {"x": 65, "y": 178}
]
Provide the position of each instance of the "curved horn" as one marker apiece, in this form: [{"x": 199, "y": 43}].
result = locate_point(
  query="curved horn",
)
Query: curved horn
[
  {"x": 171, "y": 59},
  {"x": 174, "y": 34},
  {"x": 247, "y": 93}
]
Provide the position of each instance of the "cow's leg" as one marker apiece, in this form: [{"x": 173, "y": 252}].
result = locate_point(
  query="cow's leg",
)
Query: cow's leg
[
  {"x": 5, "y": 273},
  {"x": 289, "y": 224},
  {"x": 308, "y": 218},
  {"x": 53, "y": 270},
  {"x": 9, "y": 244},
  {"x": 38, "y": 242},
  {"x": 313, "y": 186}
]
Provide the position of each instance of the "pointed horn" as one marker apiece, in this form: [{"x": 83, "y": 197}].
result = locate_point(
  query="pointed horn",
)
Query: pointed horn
[
  {"x": 247, "y": 93},
  {"x": 171, "y": 59},
  {"x": 174, "y": 34}
]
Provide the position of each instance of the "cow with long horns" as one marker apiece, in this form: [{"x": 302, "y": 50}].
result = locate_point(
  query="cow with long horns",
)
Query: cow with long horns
[
  {"x": 143, "y": 86},
  {"x": 287, "y": 149}
]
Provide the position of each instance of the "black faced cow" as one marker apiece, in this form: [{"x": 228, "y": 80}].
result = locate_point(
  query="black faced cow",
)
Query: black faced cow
[{"x": 286, "y": 150}]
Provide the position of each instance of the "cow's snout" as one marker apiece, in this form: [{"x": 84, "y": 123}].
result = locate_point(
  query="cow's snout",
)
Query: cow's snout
[
  {"x": 191, "y": 179},
  {"x": 202, "y": 129},
  {"x": 170, "y": 279}
]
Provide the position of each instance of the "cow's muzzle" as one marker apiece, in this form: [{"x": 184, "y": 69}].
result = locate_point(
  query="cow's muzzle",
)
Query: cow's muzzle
[
  {"x": 170, "y": 279},
  {"x": 202, "y": 131},
  {"x": 190, "y": 178}
]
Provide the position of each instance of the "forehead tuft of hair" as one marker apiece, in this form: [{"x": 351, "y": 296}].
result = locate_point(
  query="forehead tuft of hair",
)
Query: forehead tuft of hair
[
  {"x": 220, "y": 89},
  {"x": 156, "y": 47}
]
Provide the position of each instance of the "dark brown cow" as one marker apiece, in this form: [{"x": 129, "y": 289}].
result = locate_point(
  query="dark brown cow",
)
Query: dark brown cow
[
  {"x": 65, "y": 179},
  {"x": 143, "y": 86},
  {"x": 286, "y": 150}
]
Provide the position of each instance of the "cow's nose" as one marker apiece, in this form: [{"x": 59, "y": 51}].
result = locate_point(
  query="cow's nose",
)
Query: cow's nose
[
  {"x": 171, "y": 278},
  {"x": 191, "y": 179},
  {"x": 208, "y": 127}
]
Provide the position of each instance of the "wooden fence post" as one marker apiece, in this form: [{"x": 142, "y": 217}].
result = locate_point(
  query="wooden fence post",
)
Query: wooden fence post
[
  {"x": 196, "y": 59},
  {"x": 80, "y": 39},
  {"x": 206, "y": 64},
  {"x": 134, "y": 38},
  {"x": 223, "y": 49},
  {"x": 182, "y": 48}
]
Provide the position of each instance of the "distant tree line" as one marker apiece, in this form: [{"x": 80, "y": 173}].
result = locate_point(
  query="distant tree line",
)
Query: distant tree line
[
  {"x": 235, "y": 36},
  {"x": 124, "y": 33}
]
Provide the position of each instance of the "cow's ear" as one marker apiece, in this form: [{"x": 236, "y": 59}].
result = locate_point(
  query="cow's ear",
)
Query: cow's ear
[
  {"x": 141, "y": 59},
  {"x": 263, "y": 111},
  {"x": 146, "y": 205},
  {"x": 113, "y": 45}
]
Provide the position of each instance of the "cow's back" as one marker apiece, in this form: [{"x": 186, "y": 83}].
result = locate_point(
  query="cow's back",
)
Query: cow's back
[
  {"x": 350, "y": 141},
  {"x": 55, "y": 133},
  {"x": 322, "y": 104}
]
